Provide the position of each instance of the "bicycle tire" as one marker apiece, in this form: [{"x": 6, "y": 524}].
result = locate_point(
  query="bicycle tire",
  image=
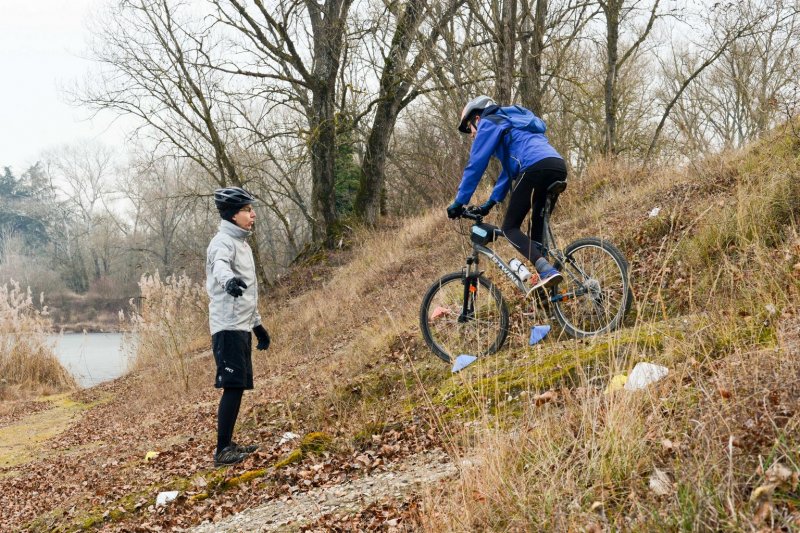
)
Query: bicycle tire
[
  {"x": 610, "y": 296},
  {"x": 446, "y": 296}
]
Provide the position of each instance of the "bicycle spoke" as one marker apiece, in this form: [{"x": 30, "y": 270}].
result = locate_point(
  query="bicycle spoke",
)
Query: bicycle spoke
[
  {"x": 593, "y": 272},
  {"x": 450, "y": 332}
]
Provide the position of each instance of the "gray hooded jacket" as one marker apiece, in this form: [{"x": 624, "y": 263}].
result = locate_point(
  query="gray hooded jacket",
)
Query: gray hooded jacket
[{"x": 229, "y": 256}]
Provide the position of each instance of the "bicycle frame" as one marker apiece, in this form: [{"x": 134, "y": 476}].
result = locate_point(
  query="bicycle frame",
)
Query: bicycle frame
[
  {"x": 549, "y": 248},
  {"x": 473, "y": 261}
]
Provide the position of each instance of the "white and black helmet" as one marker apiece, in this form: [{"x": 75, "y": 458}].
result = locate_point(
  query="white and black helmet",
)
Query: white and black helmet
[
  {"x": 473, "y": 107},
  {"x": 232, "y": 197}
]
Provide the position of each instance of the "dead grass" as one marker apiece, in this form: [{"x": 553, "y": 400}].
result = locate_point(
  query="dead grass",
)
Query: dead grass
[
  {"x": 169, "y": 331},
  {"x": 721, "y": 313},
  {"x": 27, "y": 362},
  {"x": 722, "y": 254}
]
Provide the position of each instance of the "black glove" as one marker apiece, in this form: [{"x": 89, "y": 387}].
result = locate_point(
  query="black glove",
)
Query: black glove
[
  {"x": 262, "y": 336},
  {"x": 233, "y": 285},
  {"x": 455, "y": 210},
  {"x": 484, "y": 209}
]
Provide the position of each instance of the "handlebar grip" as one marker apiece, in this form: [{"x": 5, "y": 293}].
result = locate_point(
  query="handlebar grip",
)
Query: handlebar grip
[{"x": 470, "y": 214}]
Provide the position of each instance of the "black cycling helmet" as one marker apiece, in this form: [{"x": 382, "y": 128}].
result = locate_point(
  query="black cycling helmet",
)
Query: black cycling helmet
[
  {"x": 473, "y": 107},
  {"x": 232, "y": 198}
]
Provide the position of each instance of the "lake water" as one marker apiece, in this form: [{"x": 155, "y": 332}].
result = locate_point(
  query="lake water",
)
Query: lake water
[{"x": 92, "y": 357}]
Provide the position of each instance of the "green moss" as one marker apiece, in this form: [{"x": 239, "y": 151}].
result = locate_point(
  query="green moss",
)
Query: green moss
[
  {"x": 293, "y": 457},
  {"x": 487, "y": 388},
  {"x": 316, "y": 442},
  {"x": 200, "y": 497},
  {"x": 92, "y": 521},
  {"x": 247, "y": 476}
]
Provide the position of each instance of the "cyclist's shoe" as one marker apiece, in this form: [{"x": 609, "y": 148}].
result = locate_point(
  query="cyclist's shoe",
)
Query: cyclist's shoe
[
  {"x": 228, "y": 456},
  {"x": 550, "y": 277},
  {"x": 244, "y": 449}
]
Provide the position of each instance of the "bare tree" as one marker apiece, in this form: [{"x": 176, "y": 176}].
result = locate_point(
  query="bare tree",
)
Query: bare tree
[
  {"x": 154, "y": 68},
  {"x": 162, "y": 194},
  {"x": 616, "y": 13},
  {"x": 297, "y": 48},
  {"x": 402, "y": 79},
  {"x": 725, "y": 32},
  {"x": 82, "y": 175},
  {"x": 548, "y": 33}
]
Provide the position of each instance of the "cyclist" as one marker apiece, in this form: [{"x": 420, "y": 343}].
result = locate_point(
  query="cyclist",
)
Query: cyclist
[
  {"x": 232, "y": 314},
  {"x": 530, "y": 165}
]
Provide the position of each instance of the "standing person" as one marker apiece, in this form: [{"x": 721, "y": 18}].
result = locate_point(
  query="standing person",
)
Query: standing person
[
  {"x": 515, "y": 136},
  {"x": 233, "y": 314}
]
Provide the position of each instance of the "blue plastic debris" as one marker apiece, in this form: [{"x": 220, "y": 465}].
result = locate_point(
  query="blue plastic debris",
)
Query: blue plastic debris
[
  {"x": 538, "y": 333},
  {"x": 463, "y": 361}
]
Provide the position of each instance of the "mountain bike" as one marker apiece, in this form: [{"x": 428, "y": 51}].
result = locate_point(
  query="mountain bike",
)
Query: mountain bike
[{"x": 465, "y": 313}]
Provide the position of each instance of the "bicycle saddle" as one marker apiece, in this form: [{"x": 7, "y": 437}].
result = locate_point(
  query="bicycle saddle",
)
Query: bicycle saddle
[{"x": 557, "y": 188}]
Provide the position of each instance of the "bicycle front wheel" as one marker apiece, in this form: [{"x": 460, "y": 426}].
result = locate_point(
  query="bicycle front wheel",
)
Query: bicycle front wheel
[
  {"x": 453, "y": 325},
  {"x": 596, "y": 288}
]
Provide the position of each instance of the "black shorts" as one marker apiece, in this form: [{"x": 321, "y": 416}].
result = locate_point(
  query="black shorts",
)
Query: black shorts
[{"x": 234, "y": 363}]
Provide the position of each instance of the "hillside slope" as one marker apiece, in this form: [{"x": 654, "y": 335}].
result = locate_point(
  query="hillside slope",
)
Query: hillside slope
[{"x": 714, "y": 446}]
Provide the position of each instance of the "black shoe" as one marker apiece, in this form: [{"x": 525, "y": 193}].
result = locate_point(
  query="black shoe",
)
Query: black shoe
[
  {"x": 244, "y": 449},
  {"x": 229, "y": 456}
]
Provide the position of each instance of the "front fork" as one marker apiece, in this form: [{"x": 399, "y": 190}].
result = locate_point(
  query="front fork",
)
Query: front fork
[{"x": 470, "y": 282}]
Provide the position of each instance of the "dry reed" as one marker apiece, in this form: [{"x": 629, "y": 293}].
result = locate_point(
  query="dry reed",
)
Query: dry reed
[{"x": 27, "y": 361}]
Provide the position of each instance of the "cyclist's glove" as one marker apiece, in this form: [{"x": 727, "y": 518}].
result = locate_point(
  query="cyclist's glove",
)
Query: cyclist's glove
[
  {"x": 262, "y": 336},
  {"x": 234, "y": 287},
  {"x": 484, "y": 209},
  {"x": 455, "y": 210}
]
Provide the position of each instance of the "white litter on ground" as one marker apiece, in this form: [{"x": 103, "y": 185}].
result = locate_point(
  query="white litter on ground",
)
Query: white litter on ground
[
  {"x": 644, "y": 374},
  {"x": 164, "y": 498},
  {"x": 288, "y": 436}
]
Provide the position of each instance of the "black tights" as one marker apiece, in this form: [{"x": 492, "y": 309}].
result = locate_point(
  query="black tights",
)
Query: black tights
[
  {"x": 530, "y": 192},
  {"x": 226, "y": 416}
]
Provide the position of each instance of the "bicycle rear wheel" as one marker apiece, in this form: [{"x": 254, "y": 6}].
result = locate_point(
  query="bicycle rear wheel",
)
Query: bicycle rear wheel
[
  {"x": 451, "y": 328},
  {"x": 597, "y": 288}
]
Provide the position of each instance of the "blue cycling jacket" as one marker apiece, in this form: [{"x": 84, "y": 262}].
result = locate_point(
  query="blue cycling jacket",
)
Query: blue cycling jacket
[{"x": 516, "y": 149}]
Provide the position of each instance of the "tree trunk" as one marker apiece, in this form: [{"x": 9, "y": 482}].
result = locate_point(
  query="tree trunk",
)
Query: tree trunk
[
  {"x": 322, "y": 146},
  {"x": 530, "y": 86},
  {"x": 261, "y": 272},
  {"x": 612, "y": 41},
  {"x": 506, "y": 49},
  {"x": 328, "y": 23},
  {"x": 373, "y": 169},
  {"x": 395, "y": 85}
]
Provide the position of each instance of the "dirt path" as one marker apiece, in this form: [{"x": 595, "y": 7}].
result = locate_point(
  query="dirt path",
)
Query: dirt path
[{"x": 291, "y": 512}]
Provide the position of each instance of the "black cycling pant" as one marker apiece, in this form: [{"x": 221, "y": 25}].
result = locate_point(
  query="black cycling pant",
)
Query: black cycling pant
[
  {"x": 529, "y": 192},
  {"x": 226, "y": 416}
]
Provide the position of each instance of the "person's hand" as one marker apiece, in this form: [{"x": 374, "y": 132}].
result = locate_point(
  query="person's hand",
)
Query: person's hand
[
  {"x": 455, "y": 210},
  {"x": 262, "y": 336},
  {"x": 484, "y": 209},
  {"x": 234, "y": 287}
]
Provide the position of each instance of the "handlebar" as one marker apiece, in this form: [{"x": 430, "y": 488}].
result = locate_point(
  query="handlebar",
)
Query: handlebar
[{"x": 469, "y": 212}]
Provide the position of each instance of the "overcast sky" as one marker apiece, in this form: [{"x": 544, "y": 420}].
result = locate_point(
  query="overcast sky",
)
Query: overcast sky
[{"x": 41, "y": 44}]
